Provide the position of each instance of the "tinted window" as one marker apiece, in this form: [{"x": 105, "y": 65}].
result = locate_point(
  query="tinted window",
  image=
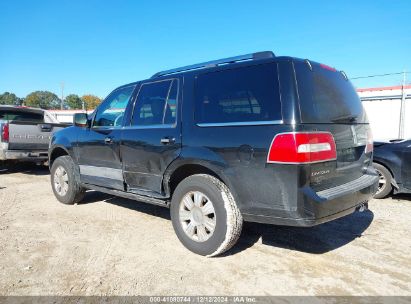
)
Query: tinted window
[
  {"x": 111, "y": 112},
  {"x": 156, "y": 103},
  {"x": 238, "y": 95},
  {"x": 171, "y": 108},
  {"x": 327, "y": 96},
  {"x": 21, "y": 116}
]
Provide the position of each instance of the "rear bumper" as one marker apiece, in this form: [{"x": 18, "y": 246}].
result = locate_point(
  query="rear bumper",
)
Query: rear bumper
[
  {"x": 313, "y": 208},
  {"x": 23, "y": 155}
]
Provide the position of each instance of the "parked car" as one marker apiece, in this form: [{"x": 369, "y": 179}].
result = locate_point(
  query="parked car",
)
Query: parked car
[
  {"x": 392, "y": 160},
  {"x": 25, "y": 133},
  {"x": 256, "y": 138}
]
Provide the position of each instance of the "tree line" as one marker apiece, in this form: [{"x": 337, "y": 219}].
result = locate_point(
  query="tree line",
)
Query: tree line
[{"x": 50, "y": 101}]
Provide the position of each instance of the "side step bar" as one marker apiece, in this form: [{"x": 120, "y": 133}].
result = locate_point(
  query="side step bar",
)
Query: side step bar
[{"x": 133, "y": 196}]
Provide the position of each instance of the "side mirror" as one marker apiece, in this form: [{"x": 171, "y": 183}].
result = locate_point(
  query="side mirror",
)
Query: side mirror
[{"x": 80, "y": 120}]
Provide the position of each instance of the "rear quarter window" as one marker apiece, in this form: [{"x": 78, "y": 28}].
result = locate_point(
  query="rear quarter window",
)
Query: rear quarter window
[
  {"x": 326, "y": 96},
  {"x": 249, "y": 94}
]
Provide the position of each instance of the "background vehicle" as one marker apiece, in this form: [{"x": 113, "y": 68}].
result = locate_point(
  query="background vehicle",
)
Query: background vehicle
[
  {"x": 392, "y": 160},
  {"x": 25, "y": 133},
  {"x": 222, "y": 142}
]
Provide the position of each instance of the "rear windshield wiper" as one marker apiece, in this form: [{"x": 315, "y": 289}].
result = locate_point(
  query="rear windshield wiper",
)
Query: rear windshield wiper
[{"x": 346, "y": 118}]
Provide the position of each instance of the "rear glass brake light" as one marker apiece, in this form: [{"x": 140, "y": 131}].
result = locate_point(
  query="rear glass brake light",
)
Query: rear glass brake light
[
  {"x": 302, "y": 147},
  {"x": 324, "y": 66},
  {"x": 5, "y": 133}
]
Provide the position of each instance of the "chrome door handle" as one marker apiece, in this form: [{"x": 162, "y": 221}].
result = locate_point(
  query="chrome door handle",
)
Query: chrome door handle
[
  {"x": 167, "y": 140},
  {"x": 108, "y": 140}
]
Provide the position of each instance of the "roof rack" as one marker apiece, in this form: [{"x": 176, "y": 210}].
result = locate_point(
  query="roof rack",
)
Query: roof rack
[{"x": 214, "y": 63}]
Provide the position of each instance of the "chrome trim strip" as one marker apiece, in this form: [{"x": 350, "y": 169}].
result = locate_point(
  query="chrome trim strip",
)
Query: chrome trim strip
[
  {"x": 104, "y": 172},
  {"x": 241, "y": 123},
  {"x": 301, "y": 163},
  {"x": 157, "y": 126},
  {"x": 143, "y": 173}
]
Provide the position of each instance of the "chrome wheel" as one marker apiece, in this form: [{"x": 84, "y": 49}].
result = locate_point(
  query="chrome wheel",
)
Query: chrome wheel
[
  {"x": 197, "y": 216},
  {"x": 61, "y": 181},
  {"x": 381, "y": 182}
]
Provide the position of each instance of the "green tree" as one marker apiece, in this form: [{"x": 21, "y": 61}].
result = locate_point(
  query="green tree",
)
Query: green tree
[
  {"x": 73, "y": 101},
  {"x": 42, "y": 99},
  {"x": 9, "y": 99},
  {"x": 91, "y": 101}
]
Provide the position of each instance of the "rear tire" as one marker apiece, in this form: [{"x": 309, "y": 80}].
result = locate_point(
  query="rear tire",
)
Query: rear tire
[
  {"x": 65, "y": 181},
  {"x": 205, "y": 216},
  {"x": 384, "y": 186}
]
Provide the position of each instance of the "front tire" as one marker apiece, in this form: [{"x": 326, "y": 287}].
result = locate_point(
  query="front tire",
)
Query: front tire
[
  {"x": 65, "y": 181},
  {"x": 384, "y": 183},
  {"x": 205, "y": 216}
]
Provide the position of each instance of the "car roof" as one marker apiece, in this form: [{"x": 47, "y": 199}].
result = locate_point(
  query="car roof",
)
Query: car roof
[
  {"x": 209, "y": 66},
  {"x": 22, "y": 109},
  {"x": 220, "y": 64}
]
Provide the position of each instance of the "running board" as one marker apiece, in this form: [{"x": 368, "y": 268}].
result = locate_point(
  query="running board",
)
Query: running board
[
  {"x": 133, "y": 196},
  {"x": 148, "y": 193}
]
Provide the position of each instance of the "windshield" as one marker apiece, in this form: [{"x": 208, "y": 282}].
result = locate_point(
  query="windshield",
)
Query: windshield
[{"x": 326, "y": 96}]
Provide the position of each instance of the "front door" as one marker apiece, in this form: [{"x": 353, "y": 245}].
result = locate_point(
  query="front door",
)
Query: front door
[
  {"x": 151, "y": 141},
  {"x": 99, "y": 146}
]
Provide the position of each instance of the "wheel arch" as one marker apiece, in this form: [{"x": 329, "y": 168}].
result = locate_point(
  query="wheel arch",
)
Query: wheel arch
[
  {"x": 180, "y": 170},
  {"x": 393, "y": 181},
  {"x": 57, "y": 152}
]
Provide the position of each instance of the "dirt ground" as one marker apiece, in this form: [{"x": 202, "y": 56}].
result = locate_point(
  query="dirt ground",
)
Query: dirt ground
[{"x": 114, "y": 246}]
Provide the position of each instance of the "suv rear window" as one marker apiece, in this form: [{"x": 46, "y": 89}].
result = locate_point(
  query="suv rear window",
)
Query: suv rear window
[
  {"x": 21, "y": 116},
  {"x": 247, "y": 94},
  {"x": 326, "y": 96}
]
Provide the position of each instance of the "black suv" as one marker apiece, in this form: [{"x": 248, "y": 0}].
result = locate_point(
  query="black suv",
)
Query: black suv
[{"x": 257, "y": 138}]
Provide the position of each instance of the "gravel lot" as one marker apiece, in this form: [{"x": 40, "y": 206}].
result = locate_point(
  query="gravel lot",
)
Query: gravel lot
[{"x": 114, "y": 246}]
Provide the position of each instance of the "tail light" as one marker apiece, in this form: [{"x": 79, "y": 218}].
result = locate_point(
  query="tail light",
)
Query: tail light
[
  {"x": 5, "y": 133},
  {"x": 369, "y": 147},
  {"x": 302, "y": 147}
]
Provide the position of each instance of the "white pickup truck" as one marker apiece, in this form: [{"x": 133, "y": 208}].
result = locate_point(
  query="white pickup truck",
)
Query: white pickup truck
[{"x": 25, "y": 133}]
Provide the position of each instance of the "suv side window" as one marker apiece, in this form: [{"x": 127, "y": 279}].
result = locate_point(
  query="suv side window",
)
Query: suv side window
[
  {"x": 156, "y": 104},
  {"x": 111, "y": 112},
  {"x": 249, "y": 94}
]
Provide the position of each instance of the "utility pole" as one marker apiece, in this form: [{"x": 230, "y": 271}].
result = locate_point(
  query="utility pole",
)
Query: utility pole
[
  {"x": 402, "y": 109},
  {"x": 62, "y": 95}
]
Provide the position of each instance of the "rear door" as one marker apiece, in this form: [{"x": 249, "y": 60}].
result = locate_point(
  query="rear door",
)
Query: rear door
[
  {"x": 151, "y": 140},
  {"x": 329, "y": 102},
  {"x": 98, "y": 146}
]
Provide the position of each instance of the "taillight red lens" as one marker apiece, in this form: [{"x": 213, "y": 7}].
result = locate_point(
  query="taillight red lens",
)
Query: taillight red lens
[
  {"x": 369, "y": 147},
  {"x": 5, "y": 133},
  {"x": 302, "y": 147}
]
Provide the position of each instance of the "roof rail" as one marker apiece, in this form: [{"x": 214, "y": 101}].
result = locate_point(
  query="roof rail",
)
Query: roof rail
[{"x": 214, "y": 63}]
